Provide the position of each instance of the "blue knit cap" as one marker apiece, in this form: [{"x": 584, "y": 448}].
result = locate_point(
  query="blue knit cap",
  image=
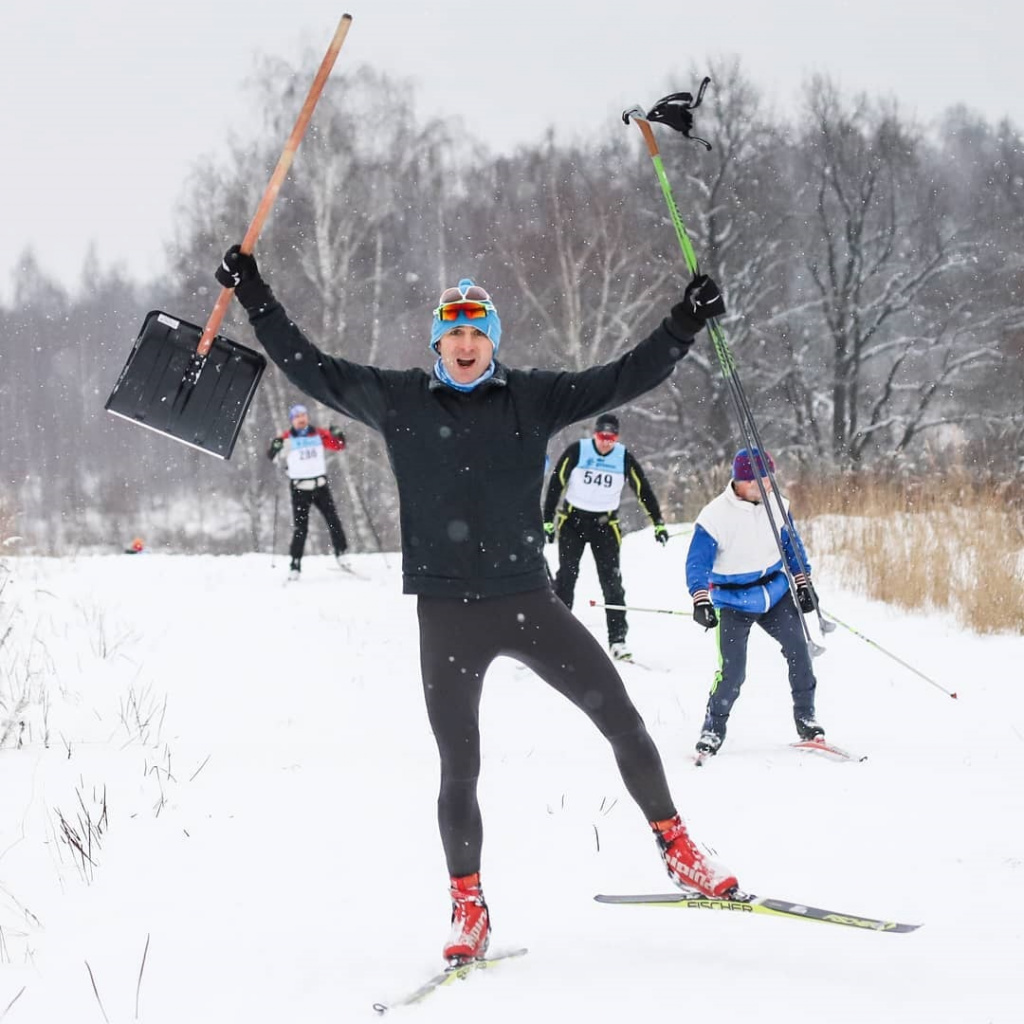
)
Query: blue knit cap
[
  {"x": 296, "y": 410},
  {"x": 469, "y": 292}
]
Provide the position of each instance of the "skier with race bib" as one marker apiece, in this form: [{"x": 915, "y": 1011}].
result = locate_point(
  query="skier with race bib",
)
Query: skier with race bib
[
  {"x": 593, "y": 473},
  {"x": 306, "y": 448}
]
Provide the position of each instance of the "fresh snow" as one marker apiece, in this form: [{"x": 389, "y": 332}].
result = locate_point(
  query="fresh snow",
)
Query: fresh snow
[{"x": 270, "y": 782}]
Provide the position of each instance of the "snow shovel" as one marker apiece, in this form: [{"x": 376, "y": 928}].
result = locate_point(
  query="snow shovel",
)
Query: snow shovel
[{"x": 190, "y": 383}]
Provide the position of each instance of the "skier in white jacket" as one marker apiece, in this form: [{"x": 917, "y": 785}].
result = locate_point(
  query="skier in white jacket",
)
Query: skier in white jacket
[{"x": 735, "y": 575}]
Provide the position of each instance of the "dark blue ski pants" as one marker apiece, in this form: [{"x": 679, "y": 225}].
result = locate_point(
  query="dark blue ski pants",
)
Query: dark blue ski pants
[{"x": 782, "y": 624}]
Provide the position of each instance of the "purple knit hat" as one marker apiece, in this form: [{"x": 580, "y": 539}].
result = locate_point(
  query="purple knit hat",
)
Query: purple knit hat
[{"x": 742, "y": 465}]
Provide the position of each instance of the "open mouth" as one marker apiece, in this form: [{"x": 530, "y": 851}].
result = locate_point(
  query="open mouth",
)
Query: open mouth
[{"x": 465, "y": 364}]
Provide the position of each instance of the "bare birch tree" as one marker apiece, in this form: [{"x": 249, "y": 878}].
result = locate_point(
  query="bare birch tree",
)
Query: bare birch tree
[{"x": 880, "y": 245}]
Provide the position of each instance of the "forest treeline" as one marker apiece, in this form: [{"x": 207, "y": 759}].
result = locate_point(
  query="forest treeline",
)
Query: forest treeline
[{"x": 871, "y": 267}]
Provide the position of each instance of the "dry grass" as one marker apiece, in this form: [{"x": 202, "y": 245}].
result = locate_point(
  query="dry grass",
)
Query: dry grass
[
  {"x": 8, "y": 523},
  {"x": 83, "y": 833},
  {"x": 945, "y": 543}
]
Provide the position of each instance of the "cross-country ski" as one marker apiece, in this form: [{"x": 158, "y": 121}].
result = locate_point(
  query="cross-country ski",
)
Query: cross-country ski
[
  {"x": 747, "y": 903},
  {"x": 455, "y": 972},
  {"x": 819, "y": 745}
]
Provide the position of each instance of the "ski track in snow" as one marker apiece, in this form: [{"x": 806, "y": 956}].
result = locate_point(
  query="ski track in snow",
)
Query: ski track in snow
[{"x": 270, "y": 784}]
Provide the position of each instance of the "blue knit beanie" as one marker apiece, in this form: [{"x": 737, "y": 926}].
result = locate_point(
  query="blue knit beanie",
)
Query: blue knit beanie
[
  {"x": 470, "y": 292},
  {"x": 743, "y": 465}
]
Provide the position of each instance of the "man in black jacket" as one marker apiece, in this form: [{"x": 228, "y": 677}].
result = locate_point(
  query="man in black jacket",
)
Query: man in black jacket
[
  {"x": 593, "y": 472},
  {"x": 467, "y": 444}
]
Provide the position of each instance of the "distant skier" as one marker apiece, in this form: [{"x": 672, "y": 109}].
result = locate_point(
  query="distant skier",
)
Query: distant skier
[
  {"x": 593, "y": 473},
  {"x": 305, "y": 448},
  {"x": 136, "y": 547},
  {"x": 466, "y": 442},
  {"x": 735, "y": 576}
]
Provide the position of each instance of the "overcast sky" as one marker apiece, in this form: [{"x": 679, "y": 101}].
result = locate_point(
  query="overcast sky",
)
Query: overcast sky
[{"x": 105, "y": 104}]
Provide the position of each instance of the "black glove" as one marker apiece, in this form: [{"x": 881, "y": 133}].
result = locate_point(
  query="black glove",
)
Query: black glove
[
  {"x": 337, "y": 434},
  {"x": 703, "y": 299},
  {"x": 549, "y": 532},
  {"x": 661, "y": 533},
  {"x": 275, "y": 446},
  {"x": 806, "y": 595},
  {"x": 704, "y": 613},
  {"x": 238, "y": 270}
]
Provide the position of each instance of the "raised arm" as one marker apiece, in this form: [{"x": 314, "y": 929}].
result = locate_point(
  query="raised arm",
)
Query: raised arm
[
  {"x": 577, "y": 396},
  {"x": 356, "y": 390}
]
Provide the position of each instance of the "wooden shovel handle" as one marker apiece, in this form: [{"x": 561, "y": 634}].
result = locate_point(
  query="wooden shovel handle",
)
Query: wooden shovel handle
[{"x": 220, "y": 307}]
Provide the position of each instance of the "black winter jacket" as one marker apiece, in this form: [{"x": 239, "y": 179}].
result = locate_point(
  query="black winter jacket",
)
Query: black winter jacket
[{"x": 470, "y": 466}]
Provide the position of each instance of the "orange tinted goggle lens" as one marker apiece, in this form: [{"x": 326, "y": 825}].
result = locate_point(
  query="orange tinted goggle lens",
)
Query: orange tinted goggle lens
[
  {"x": 470, "y": 310},
  {"x": 606, "y": 435}
]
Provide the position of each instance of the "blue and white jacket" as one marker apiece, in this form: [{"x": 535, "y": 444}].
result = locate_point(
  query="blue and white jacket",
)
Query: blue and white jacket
[{"x": 734, "y": 555}]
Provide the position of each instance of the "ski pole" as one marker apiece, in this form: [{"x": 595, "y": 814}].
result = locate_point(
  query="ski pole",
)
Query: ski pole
[
  {"x": 675, "y": 111},
  {"x": 273, "y": 532},
  {"x": 633, "y": 608},
  {"x": 747, "y": 420},
  {"x": 899, "y": 661}
]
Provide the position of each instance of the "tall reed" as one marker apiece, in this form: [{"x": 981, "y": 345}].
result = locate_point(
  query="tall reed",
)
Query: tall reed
[{"x": 947, "y": 542}]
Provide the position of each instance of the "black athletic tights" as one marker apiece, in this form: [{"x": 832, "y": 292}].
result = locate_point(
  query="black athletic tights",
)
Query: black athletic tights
[
  {"x": 322, "y": 498},
  {"x": 459, "y": 640}
]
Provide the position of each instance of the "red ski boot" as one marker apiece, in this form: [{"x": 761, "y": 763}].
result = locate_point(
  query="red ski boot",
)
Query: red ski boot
[
  {"x": 471, "y": 923},
  {"x": 687, "y": 866}
]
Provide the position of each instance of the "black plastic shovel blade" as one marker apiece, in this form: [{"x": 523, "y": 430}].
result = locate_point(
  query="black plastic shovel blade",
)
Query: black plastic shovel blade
[{"x": 159, "y": 388}]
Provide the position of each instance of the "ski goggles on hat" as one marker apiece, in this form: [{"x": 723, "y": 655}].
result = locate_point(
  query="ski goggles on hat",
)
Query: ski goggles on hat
[
  {"x": 473, "y": 293},
  {"x": 474, "y": 303},
  {"x": 606, "y": 435},
  {"x": 451, "y": 311}
]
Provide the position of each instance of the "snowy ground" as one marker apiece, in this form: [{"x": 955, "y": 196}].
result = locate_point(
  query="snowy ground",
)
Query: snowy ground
[{"x": 269, "y": 782}]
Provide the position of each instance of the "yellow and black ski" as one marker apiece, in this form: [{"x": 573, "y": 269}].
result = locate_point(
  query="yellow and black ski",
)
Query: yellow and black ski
[
  {"x": 454, "y": 972},
  {"x": 746, "y": 903}
]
